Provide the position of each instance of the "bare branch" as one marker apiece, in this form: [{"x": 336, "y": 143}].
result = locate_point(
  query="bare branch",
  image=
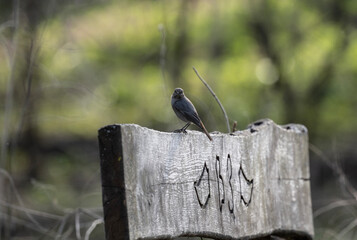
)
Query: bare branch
[
  {"x": 90, "y": 213},
  {"x": 7, "y": 24},
  {"x": 348, "y": 228},
  {"x": 337, "y": 169},
  {"x": 163, "y": 50},
  {"x": 31, "y": 211},
  {"x": 63, "y": 224},
  {"x": 26, "y": 224},
  {"x": 17, "y": 196},
  {"x": 92, "y": 227},
  {"x": 215, "y": 97},
  {"x": 331, "y": 206},
  {"x": 78, "y": 224}
]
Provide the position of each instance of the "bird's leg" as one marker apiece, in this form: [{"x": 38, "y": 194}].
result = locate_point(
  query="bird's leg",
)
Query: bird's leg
[
  {"x": 185, "y": 127},
  {"x": 183, "y": 130}
]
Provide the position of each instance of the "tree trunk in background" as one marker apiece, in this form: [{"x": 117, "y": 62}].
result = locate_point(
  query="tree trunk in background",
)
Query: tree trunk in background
[
  {"x": 21, "y": 110},
  {"x": 179, "y": 49}
]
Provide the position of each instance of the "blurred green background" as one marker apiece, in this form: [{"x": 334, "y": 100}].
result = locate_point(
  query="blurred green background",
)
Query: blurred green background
[{"x": 68, "y": 68}]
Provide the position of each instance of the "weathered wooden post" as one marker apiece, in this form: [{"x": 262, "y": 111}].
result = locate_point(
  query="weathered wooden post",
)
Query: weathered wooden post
[{"x": 249, "y": 185}]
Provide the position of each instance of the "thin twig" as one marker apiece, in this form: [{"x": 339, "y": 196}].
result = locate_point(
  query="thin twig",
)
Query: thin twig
[
  {"x": 234, "y": 126},
  {"x": 66, "y": 235},
  {"x": 7, "y": 24},
  {"x": 92, "y": 227},
  {"x": 17, "y": 196},
  {"x": 32, "y": 211},
  {"x": 163, "y": 50},
  {"x": 348, "y": 228},
  {"x": 26, "y": 224},
  {"x": 90, "y": 213},
  {"x": 333, "y": 205},
  {"x": 337, "y": 169},
  {"x": 62, "y": 225},
  {"x": 78, "y": 224},
  {"x": 215, "y": 96},
  {"x": 326, "y": 233}
]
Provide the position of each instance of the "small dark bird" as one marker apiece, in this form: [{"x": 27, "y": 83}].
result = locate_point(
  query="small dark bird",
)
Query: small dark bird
[{"x": 185, "y": 111}]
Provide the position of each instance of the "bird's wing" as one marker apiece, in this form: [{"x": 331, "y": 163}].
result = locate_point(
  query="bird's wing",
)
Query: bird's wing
[{"x": 187, "y": 109}]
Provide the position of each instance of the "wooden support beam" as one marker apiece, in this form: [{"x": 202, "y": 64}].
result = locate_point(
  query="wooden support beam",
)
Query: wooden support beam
[{"x": 249, "y": 185}]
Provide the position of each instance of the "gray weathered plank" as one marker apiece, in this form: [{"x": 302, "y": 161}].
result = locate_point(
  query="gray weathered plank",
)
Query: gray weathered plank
[{"x": 249, "y": 185}]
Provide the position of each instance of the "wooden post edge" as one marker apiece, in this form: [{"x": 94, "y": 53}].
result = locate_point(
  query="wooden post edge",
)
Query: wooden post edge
[{"x": 251, "y": 184}]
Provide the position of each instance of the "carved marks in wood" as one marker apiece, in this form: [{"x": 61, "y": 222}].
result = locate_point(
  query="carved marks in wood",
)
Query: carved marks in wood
[
  {"x": 177, "y": 186},
  {"x": 224, "y": 182},
  {"x": 203, "y": 188},
  {"x": 246, "y": 196}
]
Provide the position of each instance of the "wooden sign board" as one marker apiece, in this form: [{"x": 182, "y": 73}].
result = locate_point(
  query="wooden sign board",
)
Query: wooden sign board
[{"x": 159, "y": 185}]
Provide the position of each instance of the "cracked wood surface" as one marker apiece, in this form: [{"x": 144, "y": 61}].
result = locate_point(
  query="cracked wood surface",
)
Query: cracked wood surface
[{"x": 249, "y": 185}]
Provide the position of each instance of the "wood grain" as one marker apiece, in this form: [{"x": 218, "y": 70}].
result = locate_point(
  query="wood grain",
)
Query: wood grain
[{"x": 159, "y": 185}]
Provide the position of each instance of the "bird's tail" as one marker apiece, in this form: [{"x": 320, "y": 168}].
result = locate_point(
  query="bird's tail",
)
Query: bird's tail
[{"x": 205, "y": 130}]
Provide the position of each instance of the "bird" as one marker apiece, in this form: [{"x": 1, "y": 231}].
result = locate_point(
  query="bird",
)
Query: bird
[{"x": 186, "y": 111}]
